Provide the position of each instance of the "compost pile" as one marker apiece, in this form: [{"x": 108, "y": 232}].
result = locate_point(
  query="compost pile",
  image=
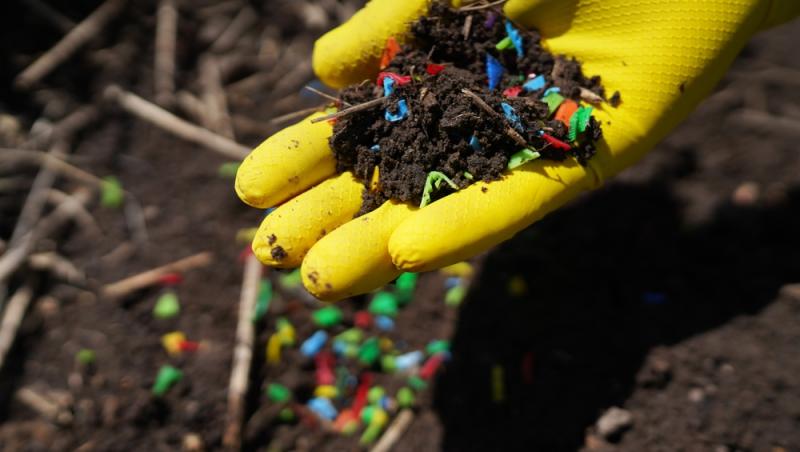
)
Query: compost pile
[{"x": 471, "y": 96}]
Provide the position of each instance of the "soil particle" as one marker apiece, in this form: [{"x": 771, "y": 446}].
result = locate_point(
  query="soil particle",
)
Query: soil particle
[
  {"x": 271, "y": 239},
  {"x": 278, "y": 253}
]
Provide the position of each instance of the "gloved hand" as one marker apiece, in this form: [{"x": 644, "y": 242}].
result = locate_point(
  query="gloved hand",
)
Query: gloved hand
[{"x": 663, "y": 56}]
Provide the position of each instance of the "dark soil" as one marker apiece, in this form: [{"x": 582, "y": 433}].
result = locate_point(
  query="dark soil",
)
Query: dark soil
[
  {"x": 677, "y": 304},
  {"x": 442, "y": 120}
]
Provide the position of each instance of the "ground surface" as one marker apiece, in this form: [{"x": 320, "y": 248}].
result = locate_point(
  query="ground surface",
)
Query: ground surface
[{"x": 667, "y": 293}]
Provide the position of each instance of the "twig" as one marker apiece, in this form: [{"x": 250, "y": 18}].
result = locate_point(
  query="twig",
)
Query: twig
[
  {"x": 59, "y": 20},
  {"x": 191, "y": 105},
  {"x": 295, "y": 115},
  {"x": 80, "y": 214},
  {"x": 12, "y": 317},
  {"x": 51, "y": 161},
  {"x": 217, "y": 117},
  {"x": 513, "y": 134},
  {"x": 242, "y": 353},
  {"x": 60, "y": 266},
  {"x": 246, "y": 18},
  {"x": 467, "y": 27},
  {"x": 175, "y": 125},
  {"x": 327, "y": 96},
  {"x": 590, "y": 96},
  {"x": 395, "y": 431},
  {"x": 43, "y": 405},
  {"x": 151, "y": 277},
  {"x": 482, "y": 6},
  {"x": 164, "y": 64},
  {"x": 354, "y": 109},
  {"x": 64, "y": 49},
  {"x": 65, "y": 128}
]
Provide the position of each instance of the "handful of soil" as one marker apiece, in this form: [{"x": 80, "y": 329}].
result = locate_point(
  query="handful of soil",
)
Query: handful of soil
[{"x": 471, "y": 96}]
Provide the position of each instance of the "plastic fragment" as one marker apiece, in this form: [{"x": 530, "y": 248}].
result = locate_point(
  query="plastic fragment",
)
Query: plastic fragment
[
  {"x": 405, "y": 284},
  {"x": 565, "y": 111},
  {"x": 468, "y": 175},
  {"x": 491, "y": 18},
  {"x": 512, "y": 92},
  {"x": 167, "y": 377},
  {"x": 172, "y": 342},
  {"x": 228, "y": 169},
  {"x": 369, "y": 351},
  {"x": 384, "y": 323},
  {"x": 314, "y": 344},
  {"x": 327, "y": 317},
  {"x": 522, "y": 157},
  {"x": 498, "y": 385},
  {"x": 285, "y": 331},
  {"x": 111, "y": 193},
  {"x": 434, "y": 181},
  {"x": 170, "y": 279},
  {"x": 408, "y": 360},
  {"x": 552, "y": 89},
  {"x": 323, "y": 408},
  {"x": 455, "y": 296},
  {"x": 434, "y": 69},
  {"x": 384, "y": 303},
  {"x": 512, "y": 116},
  {"x": 274, "y": 349},
  {"x": 378, "y": 420},
  {"x": 263, "y": 300},
  {"x": 346, "y": 423},
  {"x": 375, "y": 394},
  {"x": 553, "y": 101},
  {"x": 360, "y": 398},
  {"x": 494, "y": 70},
  {"x": 167, "y": 306},
  {"x": 388, "y": 86},
  {"x": 463, "y": 269},
  {"x": 388, "y": 363},
  {"x": 385, "y": 344},
  {"x": 579, "y": 121},
  {"x": 362, "y": 319},
  {"x": 504, "y": 44},
  {"x": 286, "y": 415},
  {"x": 278, "y": 393},
  {"x": 389, "y": 51},
  {"x": 452, "y": 281},
  {"x": 324, "y": 371},
  {"x": 534, "y": 84},
  {"x": 431, "y": 366},
  {"x": 555, "y": 142},
  {"x": 474, "y": 143},
  {"x": 402, "y": 112},
  {"x": 437, "y": 346},
  {"x": 405, "y": 397},
  {"x": 417, "y": 383},
  {"x": 398, "y": 79},
  {"x": 85, "y": 356},
  {"x": 375, "y": 148},
  {"x": 326, "y": 391},
  {"x": 351, "y": 336},
  {"x": 516, "y": 38}
]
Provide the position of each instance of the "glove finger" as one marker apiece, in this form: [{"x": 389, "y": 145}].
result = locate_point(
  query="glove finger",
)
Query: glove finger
[
  {"x": 354, "y": 258},
  {"x": 286, "y": 235},
  {"x": 482, "y": 215},
  {"x": 286, "y": 164},
  {"x": 352, "y": 52}
]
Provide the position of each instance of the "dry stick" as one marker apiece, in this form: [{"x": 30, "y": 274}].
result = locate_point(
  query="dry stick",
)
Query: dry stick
[
  {"x": 191, "y": 105},
  {"x": 164, "y": 63},
  {"x": 59, "y": 20},
  {"x": 483, "y": 6},
  {"x": 51, "y": 161},
  {"x": 64, "y": 49},
  {"x": 467, "y": 27},
  {"x": 151, "y": 277},
  {"x": 242, "y": 353},
  {"x": 354, "y": 109},
  {"x": 327, "y": 96},
  {"x": 590, "y": 96},
  {"x": 395, "y": 431},
  {"x": 295, "y": 114},
  {"x": 58, "y": 265},
  {"x": 246, "y": 18},
  {"x": 12, "y": 317},
  {"x": 43, "y": 405},
  {"x": 513, "y": 134},
  {"x": 81, "y": 215},
  {"x": 217, "y": 117},
  {"x": 175, "y": 125}
]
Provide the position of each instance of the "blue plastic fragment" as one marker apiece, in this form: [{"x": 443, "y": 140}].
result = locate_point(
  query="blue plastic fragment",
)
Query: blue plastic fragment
[
  {"x": 385, "y": 402},
  {"x": 408, "y": 360},
  {"x": 552, "y": 89},
  {"x": 375, "y": 148},
  {"x": 451, "y": 282},
  {"x": 323, "y": 408},
  {"x": 512, "y": 116},
  {"x": 402, "y": 112},
  {"x": 474, "y": 143},
  {"x": 339, "y": 347},
  {"x": 516, "y": 38},
  {"x": 534, "y": 84},
  {"x": 494, "y": 70},
  {"x": 384, "y": 323},
  {"x": 314, "y": 344},
  {"x": 388, "y": 86}
]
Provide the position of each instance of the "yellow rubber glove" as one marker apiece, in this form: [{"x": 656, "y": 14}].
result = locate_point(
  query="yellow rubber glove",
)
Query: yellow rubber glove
[{"x": 663, "y": 56}]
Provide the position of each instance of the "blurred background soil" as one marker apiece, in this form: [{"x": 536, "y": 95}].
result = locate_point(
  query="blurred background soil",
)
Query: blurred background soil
[{"x": 672, "y": 293}]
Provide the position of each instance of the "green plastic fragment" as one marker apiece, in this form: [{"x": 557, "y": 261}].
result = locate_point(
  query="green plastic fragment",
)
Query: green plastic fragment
[
  {"x": 166, "y": 378},
  {"x": 384, "y": 303},
  {"x": 553, "y": 100},
  {"x": 286, "y": 415},
  {"x": 367, "y": 412},
  {"x": 468, "y": 175},
  {"x": 579, "y": 121},
  {"x": 111, "y": 193},
  {"x": 522, "y": 157},
  {"x": 290, "y": 280},
  {"x": 286, "y": 331},
  {"x": 327, "y": 317},
  {"x": 417, "y": 383},
  {"x": 455, "y": 295},
  {"x": 405, "y": 397},
  {"x": 263, "y": 300},
  {"x": 375, "y": 394},
  {"x": 437, "y": 346},
  {"x": 388, "y": 363},
  {"x": 278, "y": 393},
  {"x": 369, "y": 351},
  {"x": 167, "y": 306},
  {"x": 351, "y": 336},
  {"x": 505, "y": 43},
  {"x": 85, "y": 356},
  {"x": 228, "y": 170},
  {"x": 434, "y": 182},
  {"x": 374, "y": 428}
]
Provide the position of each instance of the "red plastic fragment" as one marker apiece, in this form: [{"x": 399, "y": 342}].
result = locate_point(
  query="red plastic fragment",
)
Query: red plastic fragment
[
  {"x": 389, "y": 52},
  {"x": 361, "y": 393},
  {"x": 555, "y": 142},
  {"x": 512, "y": 92},
  {"x": 398, "y": 79},
  {"x": 362, "y": 319},
  {"x": 170, "y": 279},
  {"x": 431, "y": 366},
  {"x": 188, "y": 346},
  {"x": 325, "y": 362},
  {"x": 434, "y": 69}
]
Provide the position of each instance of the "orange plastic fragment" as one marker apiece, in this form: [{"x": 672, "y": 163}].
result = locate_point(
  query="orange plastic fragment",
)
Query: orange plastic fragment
[
  {"x": 389, "y": 52},
  {"x": 565, "y": 111}
]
